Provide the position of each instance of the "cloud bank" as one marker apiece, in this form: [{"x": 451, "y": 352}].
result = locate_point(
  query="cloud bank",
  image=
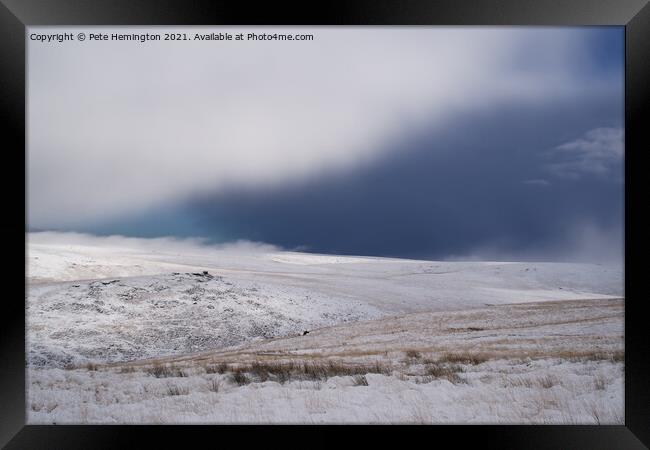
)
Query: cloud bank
[
  {"x": 169, "y": 244},
  {"x": 118, "y": 128},
  {"x": 449, "y": 192}
]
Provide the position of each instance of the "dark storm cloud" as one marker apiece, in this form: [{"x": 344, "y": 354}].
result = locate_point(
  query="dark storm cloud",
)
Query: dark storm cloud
[
  {"x": 116, "y": 129},
  {"x": 518, "y": 157},
  {"x": 479, "y": 188}
]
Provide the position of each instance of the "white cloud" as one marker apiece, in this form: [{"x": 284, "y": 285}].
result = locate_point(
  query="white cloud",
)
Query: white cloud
[
  {"x": 115, "y": 127},
  {"x": 595, "y": 153},
  {"x": 159, "y": 244}
]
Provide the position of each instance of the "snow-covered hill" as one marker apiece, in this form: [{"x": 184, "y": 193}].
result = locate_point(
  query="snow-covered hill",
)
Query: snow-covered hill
[
  {"x": 541, "y": 363},
  {"x": 165, "y": 331},
  {"x": 115, "y": 299}
]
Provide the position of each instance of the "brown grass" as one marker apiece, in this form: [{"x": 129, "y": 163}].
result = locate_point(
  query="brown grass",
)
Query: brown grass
[
  {"x": 546, "y": 382},
  {"x": 447, "y": 371},
  {"x": 216, "y": 368},
  {"x": 239, "y": 377},
  {"x": 360, "y": 380},
  {"x": 177, "y": 390},
  {"x": 615, "y": 356},
  {"x": 162, "y": 371},
  {"x": 414, "y": 354},
  {"x": 281, "y": 372},
  {"x": 463, "y": 358}
]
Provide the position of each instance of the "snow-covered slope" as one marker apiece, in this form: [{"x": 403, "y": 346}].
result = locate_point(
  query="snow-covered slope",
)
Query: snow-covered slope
[
  {"x": 112, "y": 299},
  {"x": 165, "y": 331},
  {"x": 541, "y": 363},
  {"x": 122, "y": 319}
]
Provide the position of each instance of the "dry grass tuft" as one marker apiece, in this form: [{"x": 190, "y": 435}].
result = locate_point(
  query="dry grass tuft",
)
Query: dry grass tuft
[
  {"x": 520, "y": 382},
  {"x": 547, "y": 381},
  {"x": 614, "y": 356},
  {"x": 283, "y": 372},
  {"x": 463, "y": 358},
  {"x": 162, "y": 371},
  {"x": 216, "y": 368},
  {"x": 360, "y": 380},
  {"x": 239, "y": 377},
  {"x": 446, "y": 371},
  {"x": 414, "y": 354},
  {"x": 214, "y": 385},
  {"x": 599, "y": 382},
  {"x": 177, "y": 390}
]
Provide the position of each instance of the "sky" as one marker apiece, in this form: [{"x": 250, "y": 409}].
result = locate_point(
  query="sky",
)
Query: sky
[{"x": 421, "y": 142}]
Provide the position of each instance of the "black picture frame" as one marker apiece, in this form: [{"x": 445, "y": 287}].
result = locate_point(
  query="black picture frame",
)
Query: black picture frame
[{"x": 634, "y": 15}]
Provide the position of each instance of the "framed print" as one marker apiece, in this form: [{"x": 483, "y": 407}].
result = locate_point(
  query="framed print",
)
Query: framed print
[{"x": 369, "y": 214}]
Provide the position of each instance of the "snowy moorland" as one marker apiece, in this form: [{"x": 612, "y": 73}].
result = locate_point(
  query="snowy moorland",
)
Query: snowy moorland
[{"x": 164, "y": 331}]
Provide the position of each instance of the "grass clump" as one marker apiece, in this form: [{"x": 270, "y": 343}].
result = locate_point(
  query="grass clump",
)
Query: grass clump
[
  {"x": 283, "y": 372},
  {"x": 547, "y": 381},
  {"x": 239, "y": 377},
  {"x": 413, "y": 354},
  {"x": 600, "y": 382},
  {"x": 214, "y": 386},
  {"x": 463, "y": 358},
  {"x": 360, "y": 380},
  {"x": 162, "y": 371},
  {"x": 614, "y": 356},
  {"x": 177, "y": 390},
  {"x": 220, "y": 368},
  {"x": 445, "y": 371}
]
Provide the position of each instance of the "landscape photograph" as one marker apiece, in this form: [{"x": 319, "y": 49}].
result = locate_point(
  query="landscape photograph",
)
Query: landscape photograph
[{"x": 325, "y": 225}]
